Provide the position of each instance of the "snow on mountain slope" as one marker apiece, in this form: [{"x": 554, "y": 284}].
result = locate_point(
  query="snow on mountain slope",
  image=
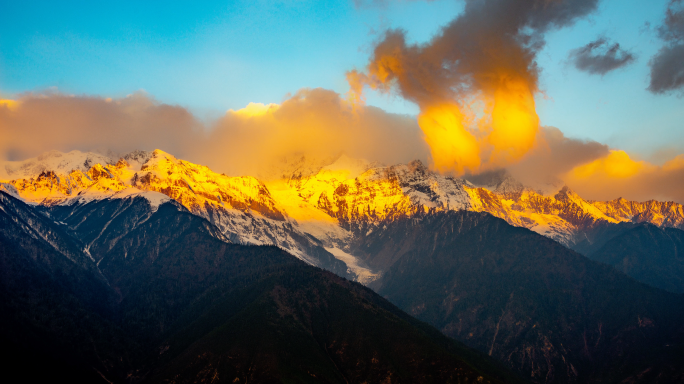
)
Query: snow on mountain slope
[
  {"x": 363, "y": 274},
  {"x": 668, "y": 214},
  {"x": 55, "y": 161},
  {"x": 155, "y": 199},
  {"x": 9, "y": 189},
  {"x": 386, "y": 193},
  {"x": 241, "y": 207},
  {"x": 373, "y": 196},
  {"x": 314, "y": 208},
  {"x": 197, "y": 187}
]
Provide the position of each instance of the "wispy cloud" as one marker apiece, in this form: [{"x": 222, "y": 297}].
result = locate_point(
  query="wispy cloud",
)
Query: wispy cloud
[{"x": 600, "y": 57}]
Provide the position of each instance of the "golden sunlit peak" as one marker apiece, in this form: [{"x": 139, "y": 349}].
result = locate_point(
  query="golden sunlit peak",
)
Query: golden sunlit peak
[
  {"x": 255, "y": 109},
  {"x": 12, "y": 105}
]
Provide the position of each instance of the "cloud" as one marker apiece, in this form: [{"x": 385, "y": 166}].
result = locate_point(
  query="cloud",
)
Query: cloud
[
  {"x": 600, "y": 57},
  {"x": 42, "y": 122},
  {"x": 491, "y": 36},
  {"x": 475, "y": 83},
  {"x": 484, "y": 58},
  {"x": 596, "y": 172},
  {"x": 555, "y": 155},
  {"x": 667, "y": 70},
  {"x": 618, "y": 175},
  {"x": 667, "y": 66},
  {"x": 313, "y": 123}
]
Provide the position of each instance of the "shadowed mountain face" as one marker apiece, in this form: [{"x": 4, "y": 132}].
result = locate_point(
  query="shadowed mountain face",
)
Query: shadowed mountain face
[
  {"x": 304, "y": 325},
  {"x": 101, "y": 224},
  {"x": 649, "y": 254},
  {"x": 54, "y": 303},
  {"x": 596, "y": 236},
  {"x": 176, "y": 303},
  {"x": 542, "y": 309}
]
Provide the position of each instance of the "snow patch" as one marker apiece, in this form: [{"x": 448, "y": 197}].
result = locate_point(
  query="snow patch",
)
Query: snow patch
[
  {"x": 58, "y": 162},
  {"x": 155, "y": 199},
  {"x": 363, "y": 274},
  {"x": 10, "y": 189}
]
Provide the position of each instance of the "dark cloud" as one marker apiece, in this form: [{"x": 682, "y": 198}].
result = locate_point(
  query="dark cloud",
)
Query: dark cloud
[
  {"x": 667, "y": 66},
  {"x": 600, "y": 57},
  {"x": 673, "y": 26},
  {"x": 667, "y": 70},
  {"x": 485, "y": 58},
  {"x": 489, "y": 40}
]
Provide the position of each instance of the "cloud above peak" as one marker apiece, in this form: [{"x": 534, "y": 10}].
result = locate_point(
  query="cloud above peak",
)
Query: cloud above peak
[
  {"x": 313, "y": 122},
  {"x": 474, "y": 82}
]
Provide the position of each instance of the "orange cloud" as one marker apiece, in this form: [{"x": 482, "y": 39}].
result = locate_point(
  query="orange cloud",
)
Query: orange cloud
[
  {"x": 317, "y": 124},
  {"x": 617, "y": 165},
  {"x": 452, "y": 146},
  {"x": 618, "y": 175},
  {"x": 314, "y": 123},
  {"x": 12, "y": 105},
  {"x": 37, "y": 123},
  {"x": 486, "y": 54},
  {"x": 255, "y": 109}
]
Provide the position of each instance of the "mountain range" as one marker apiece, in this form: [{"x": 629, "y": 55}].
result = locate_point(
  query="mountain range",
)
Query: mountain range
[
  {"x": 315, "y": 211},
  {"x": 169, "y": 256}
]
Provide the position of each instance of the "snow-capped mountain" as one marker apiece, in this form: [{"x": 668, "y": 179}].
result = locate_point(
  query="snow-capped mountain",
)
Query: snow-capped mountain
[
  {"x": 317, "y": 211},
  {"x": 241, "y": 207}
]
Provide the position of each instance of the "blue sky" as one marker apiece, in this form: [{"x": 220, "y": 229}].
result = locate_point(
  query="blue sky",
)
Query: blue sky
[{"x": 222, "y": 55}]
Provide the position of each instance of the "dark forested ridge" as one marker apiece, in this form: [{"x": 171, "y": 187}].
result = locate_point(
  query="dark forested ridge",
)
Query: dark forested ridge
[
  {"x": 650, "y": 254},
  {"x": 118, "y": 290},
  {"x": 168, "y": 300},
  {"x": 545, "y": 311}
]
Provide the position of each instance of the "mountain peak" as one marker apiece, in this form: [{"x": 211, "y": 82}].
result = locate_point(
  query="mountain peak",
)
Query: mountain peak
[
  {"x": 58, "y": 162},
  {"x": 137, "y": 157},
  {"x": 160, "y": 153}
]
